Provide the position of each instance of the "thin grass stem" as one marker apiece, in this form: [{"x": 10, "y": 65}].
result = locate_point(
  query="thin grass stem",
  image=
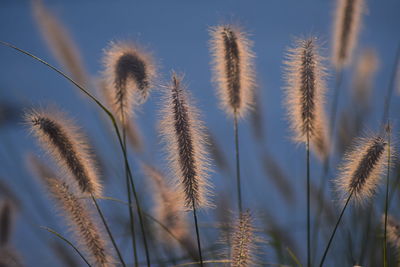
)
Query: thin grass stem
[
  {"x": 386, "y": 203},
  {"x": 108, "y": 230},
  {"x": 238, "y": 183},
  {"x": 197, "y": 234},
  {"x": 334, "y": 230},
  {"x": 66, "y": 241},
  {"x": 308, "y": 201},
  {"x": 131, "y": 219}
]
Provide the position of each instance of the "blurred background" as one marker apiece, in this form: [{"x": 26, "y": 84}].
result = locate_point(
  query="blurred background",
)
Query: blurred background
[{"x": 177, "y": 34}]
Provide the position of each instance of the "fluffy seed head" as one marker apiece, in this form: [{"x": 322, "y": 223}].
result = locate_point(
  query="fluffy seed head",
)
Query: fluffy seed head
[
  {"x": 305, "y": 89},
  {"x": 367, "y": 65},
  {"x": 363, "y": 167},
  {"x": 184, "y": 136},
  {"x": 393, "y": 231},
  {"x": 81, "y": 222},
  {"x": 233, "y": 68},
  {"x": 346, "y": 30},
  {"x": 129, "y": 75},
  {"x": 60, "y": 42},
  {"x": 61, "y": 139},
  {"x": 169, "y": 205},
  {"x": 243, "y": 241}
]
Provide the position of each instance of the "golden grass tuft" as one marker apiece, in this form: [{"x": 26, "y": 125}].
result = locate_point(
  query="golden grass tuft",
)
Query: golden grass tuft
[
  {"x": 62, "y": 140},
  {"x": 185, "y": 140},
  {"x": 129, "y": 75},
  {"x": 87, "y": 233},
  {"x": 60, "y": 42},
  {"x": 305, "y": 90},
  {"x": 362, "y": 168},
  {"x": 233, "y": 61},
  {"x": 346, "y": 30},
  {"x": 243, "y": 241}
]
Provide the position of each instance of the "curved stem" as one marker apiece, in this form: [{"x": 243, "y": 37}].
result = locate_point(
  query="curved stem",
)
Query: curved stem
[
  {"x": 238, "y": 184},
  {"x": 336, "y": 227},
  {"x": 108, "y": 230},
  {"x": 67, "y": 241}
]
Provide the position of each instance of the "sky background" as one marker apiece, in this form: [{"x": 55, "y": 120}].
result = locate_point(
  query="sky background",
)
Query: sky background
[{"x": 176, "y": 32}]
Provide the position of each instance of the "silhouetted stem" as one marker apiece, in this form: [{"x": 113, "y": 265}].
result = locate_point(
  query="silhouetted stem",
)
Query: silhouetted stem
[
  {"x": 334, "y": 230},
  {"x": 108, "y": 230},
  {"x": 197, "y": 234},
  {"x": 238, "y": 184}
]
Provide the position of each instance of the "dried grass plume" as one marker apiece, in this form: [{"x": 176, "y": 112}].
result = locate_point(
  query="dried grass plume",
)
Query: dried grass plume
[
  {"x": 186, "y": 144},
  {"x": 362, "y": 168},
  {"x": 129, "y": 75},
  {"x": 305, "y": 90},
  {"x": 346, "y": 30},
  {"x": 62, "y": 140},
  {"x": 169, "y": 205},
  {"x": 81, "y": 222},
  {"x": 233, "y": 61},
  {"x": 243, "y": 242}
]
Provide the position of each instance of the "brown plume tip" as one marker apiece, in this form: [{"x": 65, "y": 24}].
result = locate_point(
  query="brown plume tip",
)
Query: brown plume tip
[
  {"x": 129, "y": 75},
  {"x": 363, "y": 168},
  {"x": 184, "y": 136},
  {"x": 81, "y": 222},
  {"x": 233, "y": 62},
  {"x": 61, "y": 139},
  {"x": 305, "y": 93},
  {"x": 346, "y": 30}
]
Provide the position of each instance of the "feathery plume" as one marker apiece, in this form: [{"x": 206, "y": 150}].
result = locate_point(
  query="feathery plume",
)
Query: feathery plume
[
  {"x": 81, "y": 222},
  {"x": 233, "y": 68},
  {"x": 169, "y": 206},
  {"x": 243, "y": 241},
  {"x": 6, "y": 222},
  {"x": 60, "y": 42},
  {"x": 61, "y": 139},
  {"x": 129, "y": 75},
  {"x": 367, "y": 65},
  {"x": 363, "y": 168},
  {"x": 184, "y": 136},
  {"x": 305, "y": 95},
  {"x": 393, "y": 231},
  {"x": 346, "y": 30}
]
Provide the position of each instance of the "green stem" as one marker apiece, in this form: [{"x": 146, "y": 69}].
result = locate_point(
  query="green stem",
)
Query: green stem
[
  {"x": 197, "y": 234},
  {"x": 238, "y": 184},
  {"x": 326, "y": 166},
  {"x": 67, "y": 241},
  {"x": 308, "y": 202},
  {"x": 108, "y": 230},
  {"x": 386, "y": 203},
  {"x": 336, "y": 227},
  {"x": 132, "y": 222}
]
